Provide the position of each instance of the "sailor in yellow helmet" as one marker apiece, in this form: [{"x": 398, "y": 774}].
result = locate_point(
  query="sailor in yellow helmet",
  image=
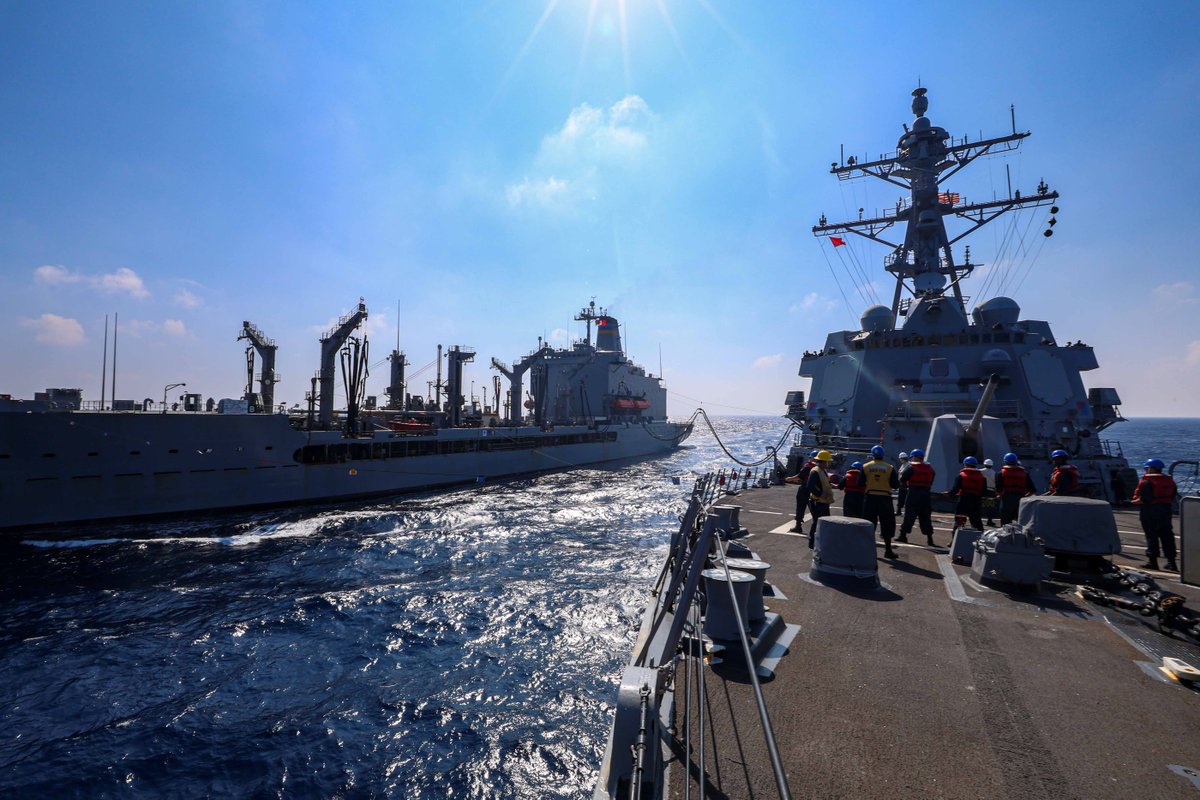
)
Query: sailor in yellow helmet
[
  {"x": 820, "y": 491},
  {"x": 878, "y": 508}
]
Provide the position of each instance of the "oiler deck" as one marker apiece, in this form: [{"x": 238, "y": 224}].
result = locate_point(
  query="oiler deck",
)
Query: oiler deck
[{"x": 938, "y": 687}]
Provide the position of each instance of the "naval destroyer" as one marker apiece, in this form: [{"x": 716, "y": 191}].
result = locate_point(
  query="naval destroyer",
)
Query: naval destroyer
[
  {"x": 927, "y": 373},
  {"x": 64, "y": 460}
]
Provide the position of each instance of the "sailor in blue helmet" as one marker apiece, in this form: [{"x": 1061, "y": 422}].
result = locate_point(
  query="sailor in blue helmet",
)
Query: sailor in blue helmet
[
  {"x": 969, "y": 485},
  {"x": 1064, "y": 481},
  {"x": 878, "y": 510},
  {"x": 800, "y": 480},
  {"x": 919, "y": 504},
  {"x": 1013, "y": 484},
  {"x": 1155, "y": 494},
  {"x": 854, "y": 490}
]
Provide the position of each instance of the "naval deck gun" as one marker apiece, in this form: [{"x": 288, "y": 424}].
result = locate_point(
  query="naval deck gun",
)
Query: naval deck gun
[
  {"x": 266, "y": 350},
  {"x": 331, "y": 345}
]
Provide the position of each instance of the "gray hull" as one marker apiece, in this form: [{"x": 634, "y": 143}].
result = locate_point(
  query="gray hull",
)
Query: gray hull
[{"x": 69, "y": 467}]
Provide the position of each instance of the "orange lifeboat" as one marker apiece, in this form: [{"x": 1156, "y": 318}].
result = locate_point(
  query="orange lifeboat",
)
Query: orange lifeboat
[{"x": 629, "y": 403}]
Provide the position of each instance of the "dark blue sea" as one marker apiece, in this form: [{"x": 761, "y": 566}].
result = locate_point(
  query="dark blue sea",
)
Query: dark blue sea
[{"x": 464, "y": 644}]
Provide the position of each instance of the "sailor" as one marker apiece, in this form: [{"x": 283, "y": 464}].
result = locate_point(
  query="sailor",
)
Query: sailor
[
  {"x": 969, "y": 485},
  {"x": 854, "y": 488},
  {"x": 820, "y": 490},
  {"x": 1064, "y": 481},
  {"x": 1155, "y": 494},
  {"x": 917, "y": 504},
  {"x": 878, "y": 509},
  {"x": 1015, "y": 483},
  {"x": 801, "y": 481},
  {"x": 903, "y": 492},
  {"x": 989, "y": 493}
]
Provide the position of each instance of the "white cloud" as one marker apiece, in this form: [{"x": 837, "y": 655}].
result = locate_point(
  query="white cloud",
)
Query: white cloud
[
  {"x": 187, "y": 299},
  {"x": 549, "y": 193},
  {"x": 594, "y": 150},
  {"x": 174, "y": 327},
  {"x": 54, "y": 275},
  {"x": 147, "y": 328},
  {"x": 763, "y": 362},
  {"x": 560, "y": 336},
  {"x": 56, "y": 330},
  {"x": 123, "y": 280},
  {"x": 812, "y": 302},
  {"x": 1193, "y": 353},
  {"x": 1178, "y": 293}
]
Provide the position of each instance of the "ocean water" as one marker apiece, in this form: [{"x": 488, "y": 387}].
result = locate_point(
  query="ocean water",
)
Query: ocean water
[{"x": 465, "y": 644}]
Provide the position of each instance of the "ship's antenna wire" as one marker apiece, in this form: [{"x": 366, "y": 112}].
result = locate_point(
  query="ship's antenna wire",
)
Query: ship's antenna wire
[
  {"x": 836, "y": 281},
  {"x": 1023, "y": 249},
  {"x": 850, "y": 273},
  {"x": 1032, "y": 261}
]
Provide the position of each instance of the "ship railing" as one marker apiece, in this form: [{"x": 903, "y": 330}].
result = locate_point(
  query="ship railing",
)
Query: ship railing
[
  {"x": 633, "y": 766},
  {"x": 1112, "y": 448}
]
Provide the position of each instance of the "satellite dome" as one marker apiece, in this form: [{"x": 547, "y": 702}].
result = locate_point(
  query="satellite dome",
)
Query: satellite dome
[
  {"x": 998, "y": 310},
  {"x": 877, "y": 318}
]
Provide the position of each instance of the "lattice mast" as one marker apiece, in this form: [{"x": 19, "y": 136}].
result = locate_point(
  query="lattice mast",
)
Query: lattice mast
[{"x": 926, "y": 156}]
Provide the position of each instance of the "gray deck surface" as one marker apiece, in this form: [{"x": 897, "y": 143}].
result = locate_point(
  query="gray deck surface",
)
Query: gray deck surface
[{"x": 910, "y": 693}]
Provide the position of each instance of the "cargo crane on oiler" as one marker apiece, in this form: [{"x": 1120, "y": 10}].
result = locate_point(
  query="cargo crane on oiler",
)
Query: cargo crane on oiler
[
  {"x": 63, "y": 462},
  {"x": 925, "y": 373}
]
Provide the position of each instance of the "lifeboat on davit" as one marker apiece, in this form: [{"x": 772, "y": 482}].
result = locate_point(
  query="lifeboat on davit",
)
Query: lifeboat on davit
[{"x": 629, "y": 403}]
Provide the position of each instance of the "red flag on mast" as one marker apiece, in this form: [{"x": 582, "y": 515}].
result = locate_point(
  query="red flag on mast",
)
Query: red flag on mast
[{"x": 836, "y": 241}]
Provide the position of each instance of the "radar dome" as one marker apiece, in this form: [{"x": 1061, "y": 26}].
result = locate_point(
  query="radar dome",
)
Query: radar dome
[
  {"x": 998, "y": 310},
  {"x": 877, "y": 318}
]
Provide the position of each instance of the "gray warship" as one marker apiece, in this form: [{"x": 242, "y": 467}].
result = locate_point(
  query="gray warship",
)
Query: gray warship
[
  {"x": 65, "y": 461},
  {"x": 769, "y": 666},
  {"x": 924, "y": 372}
]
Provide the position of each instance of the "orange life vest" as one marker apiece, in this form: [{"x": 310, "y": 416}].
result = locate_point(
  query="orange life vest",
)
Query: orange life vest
[
  {"x": 1065, "y": 480},
  {"x": 853, "y": 482},
  {"x": 920, "y": 475},
  {"x": 972, "y": 481},
  {"x": 1162, "y": 486},
  {"x": 1013, "y": 480}
]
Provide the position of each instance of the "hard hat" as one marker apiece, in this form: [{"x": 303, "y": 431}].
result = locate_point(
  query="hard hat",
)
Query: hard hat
[
  {"x": 903, "y": 455},
  {"x": 1059, "y": 454},
  {"x": 970, "y": 461},
  {"x": 824, "y": 455},
  {"x": 856, "y": 465},
  {"x": 877, "y": 451},
  {"x": 1010, "y": 458},
  {"x": 813, "y": 454},
  {"x": 987, "y": 462},
  {"x": 1154, "y": 463},
  {"x": 917, "y": 453}
]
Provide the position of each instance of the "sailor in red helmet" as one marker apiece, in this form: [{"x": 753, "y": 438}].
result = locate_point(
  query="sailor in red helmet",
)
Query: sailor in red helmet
[
  {"x": 1155, "y": 494},
  {"x": 969, "y": 485},
  {"x": 1064, "y": 481}
]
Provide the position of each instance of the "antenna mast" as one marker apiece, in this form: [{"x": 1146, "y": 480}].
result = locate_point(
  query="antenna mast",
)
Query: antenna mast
[{"x": 924, "y": 158}]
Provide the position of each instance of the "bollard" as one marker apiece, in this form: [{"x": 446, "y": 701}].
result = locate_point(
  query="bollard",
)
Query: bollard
[
  {"x": 755, "y": 610},
  {"x": 721, "y": 621}
]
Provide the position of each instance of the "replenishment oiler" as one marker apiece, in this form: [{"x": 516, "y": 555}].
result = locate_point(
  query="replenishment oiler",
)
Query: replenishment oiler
[{"x": 64, "y": 460}]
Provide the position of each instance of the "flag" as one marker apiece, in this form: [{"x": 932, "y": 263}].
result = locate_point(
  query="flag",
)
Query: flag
[{"x": 836, "y": 241}]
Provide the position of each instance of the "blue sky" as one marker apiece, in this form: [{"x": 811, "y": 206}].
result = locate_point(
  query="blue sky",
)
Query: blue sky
[{"x": 493, "y": 166}]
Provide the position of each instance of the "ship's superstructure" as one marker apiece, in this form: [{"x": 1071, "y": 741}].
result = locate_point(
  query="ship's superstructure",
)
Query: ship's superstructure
[
  {"x": 926, "y": 373},
  {"x": 63, "y": 460}
]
